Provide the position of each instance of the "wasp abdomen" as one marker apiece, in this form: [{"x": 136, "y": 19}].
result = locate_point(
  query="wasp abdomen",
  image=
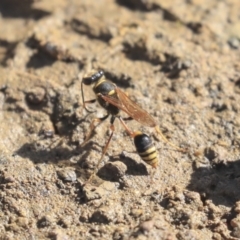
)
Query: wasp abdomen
[{"x": 145, "y": 148}]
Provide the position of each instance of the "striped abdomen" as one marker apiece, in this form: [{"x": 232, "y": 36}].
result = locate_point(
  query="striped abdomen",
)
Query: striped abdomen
[{"x": 145, "y": 148}]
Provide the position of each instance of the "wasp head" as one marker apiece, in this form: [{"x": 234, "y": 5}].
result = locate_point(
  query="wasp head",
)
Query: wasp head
[{"x": 92, "y": 77}]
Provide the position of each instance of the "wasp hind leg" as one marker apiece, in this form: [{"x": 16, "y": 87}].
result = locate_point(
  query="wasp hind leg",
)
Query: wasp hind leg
[
  {"x": 104, "y": 150},
  {"x": 95, "y": 122},
  {"x": 184, "y": 150}
]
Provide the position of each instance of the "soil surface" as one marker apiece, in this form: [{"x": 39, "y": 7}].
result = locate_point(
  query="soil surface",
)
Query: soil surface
[{"x": 179, "y": 60}]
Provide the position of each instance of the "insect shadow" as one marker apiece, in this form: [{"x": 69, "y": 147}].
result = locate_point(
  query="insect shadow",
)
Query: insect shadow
[
  {"x": 24, "y": 10},
  {"x": 39, "y": 154},
  {"x": 133, "y": 167}
]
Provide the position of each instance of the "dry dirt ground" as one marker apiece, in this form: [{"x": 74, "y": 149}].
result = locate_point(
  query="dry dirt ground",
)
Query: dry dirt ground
[{"x": 179, "y": 60}]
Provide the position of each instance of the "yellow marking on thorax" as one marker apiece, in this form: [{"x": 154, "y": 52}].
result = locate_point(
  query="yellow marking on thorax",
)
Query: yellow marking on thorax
[
  {"x": 99, "y": 82},
  {"x": 112, "y": 92}
]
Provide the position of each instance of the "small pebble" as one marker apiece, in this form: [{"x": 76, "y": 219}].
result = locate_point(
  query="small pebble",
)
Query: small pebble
[
  {"x": 2, "y": 100},
  {"x": 136, "y": 212},
  {"x": 147, "y": 226},
  {"x": 103, "y": 215},
  {"x": 236, "y": 232},
  {"x": 233, "y": 43},
  {"x": 235, "y": 222},
  {"x": 36, "y": 96},
  {"x": 22, "y": 222},
  {"x": 9, "y": 179},
  {"x": 67, "y": 174},
  {"x": 113, "y": 170},
  {"x": 45, "y": 221}
]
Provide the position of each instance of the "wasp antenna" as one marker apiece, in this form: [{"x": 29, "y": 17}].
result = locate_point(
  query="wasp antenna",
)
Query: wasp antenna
[
  {"x": 89, "y": 111},
  {"x": 84, "y": 103}
]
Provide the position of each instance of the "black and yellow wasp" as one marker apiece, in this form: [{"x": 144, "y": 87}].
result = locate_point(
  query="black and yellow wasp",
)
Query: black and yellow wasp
[{"x": 113, "y": 100}]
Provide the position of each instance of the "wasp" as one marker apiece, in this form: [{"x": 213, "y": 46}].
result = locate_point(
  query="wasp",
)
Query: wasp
[{"x": 114, "y": 100}]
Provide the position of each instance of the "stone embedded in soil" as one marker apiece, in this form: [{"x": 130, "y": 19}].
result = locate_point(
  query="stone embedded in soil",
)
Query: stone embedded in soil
[
  {"x": 147, "y": 226},
  {"x": 2, "y": 100},
  {"x": 91, "y": 192},
  {"x": 113, "y": 170},
  {"x": 13, "y": 227},
  {"x": 84, "y": 216},
  {"x": 9, "y": 179},
  {"x": 22, "y": 222},
  {"x": 194, "y": 199},
  {"x": 65, "y": 221},
  {"x": 58, "y": 234},
  {"x": 103, "y": 215},
  {"x": 235, "y": 222},
  {"x": 217, "y": 236},
  {"x": 120, "y": 233},
  {"x": 36, "y": 96},
  {"x": 67, "y": 174},
  {"x": 197, "y": 220},
  {"x": 234, "y": 43},
  {"x": 187, "y": 235},
  {"x": 46, "y": 221},
  {"x": 136, "y": 212},
  {"x": 236, "y": 232},
  {"x": 237, "y": 207}
]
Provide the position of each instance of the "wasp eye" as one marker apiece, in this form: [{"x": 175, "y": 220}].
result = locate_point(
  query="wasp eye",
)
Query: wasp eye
[
  {"x": 97, "y": 76},
  {"x": 101, "y": 73}
]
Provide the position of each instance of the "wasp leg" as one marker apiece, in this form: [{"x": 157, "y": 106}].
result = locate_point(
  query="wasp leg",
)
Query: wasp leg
[
  {"x": 84, "y": 102},
  {"x": 93, "y": 126},
  {"x": 89, "y": 101},
  {"x": 170, "y": 143},
  {"x": 127, "y": 119},
  {"x": 131, "y": 133},
  {"x": 104, "y": 150}
]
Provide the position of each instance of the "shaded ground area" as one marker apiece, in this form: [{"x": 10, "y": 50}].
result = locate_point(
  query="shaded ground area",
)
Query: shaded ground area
[{"x": 179, "y": 60}]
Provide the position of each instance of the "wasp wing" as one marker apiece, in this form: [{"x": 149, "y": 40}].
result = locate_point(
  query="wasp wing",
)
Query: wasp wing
[{"x": 124, "y": 103}]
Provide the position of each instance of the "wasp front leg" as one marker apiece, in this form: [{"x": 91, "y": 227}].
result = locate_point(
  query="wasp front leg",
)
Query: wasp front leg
[{"x": 86, "y": 102}]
